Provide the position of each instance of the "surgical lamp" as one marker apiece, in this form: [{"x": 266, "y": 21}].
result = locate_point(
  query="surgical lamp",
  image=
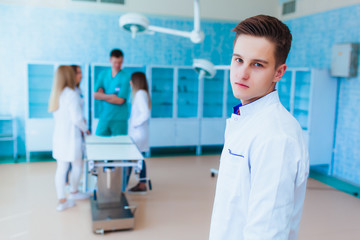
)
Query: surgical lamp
[
  {"x": 204, "y": 68},
  {"x": 137, "y": 23}
]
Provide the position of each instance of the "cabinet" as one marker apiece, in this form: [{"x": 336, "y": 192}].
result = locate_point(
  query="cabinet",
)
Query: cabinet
[
  {"x": 187, "y": 93},
  {"x": 39, "y": 122},
  {"x": 174, "y": 114},
  {"x": 162, "y": 92},
  {"x": 214, "y": 108},
  {"x": 213, "y": 94},
  {"x": 8, "y": 132},
  {"x": 187, "y": 111},
  {"x": 310, "y": 95}
]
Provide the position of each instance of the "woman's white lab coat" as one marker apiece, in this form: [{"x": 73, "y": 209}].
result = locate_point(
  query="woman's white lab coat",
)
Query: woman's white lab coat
[
  {"x": 139, "y": 120},
  {"x": 82, "y": 102},
  {"x": 69, "y": 124},
  {"x": 262, "y": 176}
]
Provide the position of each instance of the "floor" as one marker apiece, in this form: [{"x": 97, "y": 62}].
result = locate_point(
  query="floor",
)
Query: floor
[{"x": 178, "y": 207}]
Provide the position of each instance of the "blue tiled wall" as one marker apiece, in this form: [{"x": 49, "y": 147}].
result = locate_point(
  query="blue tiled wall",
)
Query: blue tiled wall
[
  {"x": 88, "y": 37},
  {"x": 69, "y": 36},
  {"x": 313, "y": 37}
]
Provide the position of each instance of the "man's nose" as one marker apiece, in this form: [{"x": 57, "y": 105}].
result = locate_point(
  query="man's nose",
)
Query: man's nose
[{"x": 244, "y": 72}]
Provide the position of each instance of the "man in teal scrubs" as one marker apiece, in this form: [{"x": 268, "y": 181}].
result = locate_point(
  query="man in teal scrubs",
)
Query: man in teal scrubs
[{"x": 112, "y": 89}]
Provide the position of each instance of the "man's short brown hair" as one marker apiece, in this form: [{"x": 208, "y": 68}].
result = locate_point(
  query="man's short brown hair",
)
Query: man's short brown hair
[{"x": 272, "y": 29}]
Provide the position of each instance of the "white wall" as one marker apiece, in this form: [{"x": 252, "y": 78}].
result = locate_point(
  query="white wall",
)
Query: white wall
[
  {"x": 228, "y": 10},
  {"x": 307, "y": 7}
]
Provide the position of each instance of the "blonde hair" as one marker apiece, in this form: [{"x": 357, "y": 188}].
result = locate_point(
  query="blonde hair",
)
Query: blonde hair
[
  {"x": 64, "y": 77},
  {"x": 139, "y": 82}
]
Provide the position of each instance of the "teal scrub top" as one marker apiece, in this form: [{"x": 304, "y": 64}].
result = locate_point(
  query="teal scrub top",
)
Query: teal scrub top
[{"x": 119, "y": 85}]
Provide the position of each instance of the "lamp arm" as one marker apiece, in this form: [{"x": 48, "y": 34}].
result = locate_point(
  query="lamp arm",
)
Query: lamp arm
[
  {"x": 169, "y": 31},
  {"x": 196, "y": 16},
  {"x": 202, "y": 74}
]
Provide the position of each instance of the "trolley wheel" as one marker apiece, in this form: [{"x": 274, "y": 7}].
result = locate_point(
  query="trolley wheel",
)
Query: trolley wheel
[
  {"x": 99, "y": 231},
  {"x": 150, "y": 186}
]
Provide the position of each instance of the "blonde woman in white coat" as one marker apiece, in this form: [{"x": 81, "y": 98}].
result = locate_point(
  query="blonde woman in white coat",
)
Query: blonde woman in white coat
[
  {"x": 65, "y": 103},
  {"x": 139, "y": 122},
  {"x": 78, "y": 77}
]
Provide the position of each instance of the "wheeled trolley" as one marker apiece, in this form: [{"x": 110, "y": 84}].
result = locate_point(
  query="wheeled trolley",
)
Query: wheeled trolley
[
  {"x": 107, "y": 158},
  {"x": 112, "y": 218}
]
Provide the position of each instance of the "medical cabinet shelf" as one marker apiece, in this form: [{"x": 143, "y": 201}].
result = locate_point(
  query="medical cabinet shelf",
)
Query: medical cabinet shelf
[
  {"x": 187, "y": 100},
  {"x": 162, "y": 88},
  {"x": 213, "y": 95},
  {"x": 8, "y": 132}
]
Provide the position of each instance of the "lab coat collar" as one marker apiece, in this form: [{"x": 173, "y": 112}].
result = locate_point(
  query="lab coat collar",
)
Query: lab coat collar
[{"x": 257, "y": 105}]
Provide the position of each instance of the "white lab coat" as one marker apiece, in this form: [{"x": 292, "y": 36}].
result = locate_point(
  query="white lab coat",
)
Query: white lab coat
[
  {"x": 139, "y": 121},
  {"x": 69, "y": 123},
  {"x": 262, "y": 176},
  {"x": 82, "y": 102}
]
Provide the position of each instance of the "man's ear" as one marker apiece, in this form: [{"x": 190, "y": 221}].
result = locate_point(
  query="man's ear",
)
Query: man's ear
[{"x": 279, "y": 72}]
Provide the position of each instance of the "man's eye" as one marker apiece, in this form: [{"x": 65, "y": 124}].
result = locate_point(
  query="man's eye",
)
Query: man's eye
[
  {"x": 258, "y": 65},
  {"x": 239, "y": 60}
]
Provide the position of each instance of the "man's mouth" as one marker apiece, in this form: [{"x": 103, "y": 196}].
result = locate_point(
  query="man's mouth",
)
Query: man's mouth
[{"x": 242, "y": 85}]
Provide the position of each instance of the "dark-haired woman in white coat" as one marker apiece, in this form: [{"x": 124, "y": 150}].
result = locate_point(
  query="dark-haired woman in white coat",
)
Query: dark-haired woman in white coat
[
  {"x": 65, "y": 103},
  {"x": 139, "y": 122}
]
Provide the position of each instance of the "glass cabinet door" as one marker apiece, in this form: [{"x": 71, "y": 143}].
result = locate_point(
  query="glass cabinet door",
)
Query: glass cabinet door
[
  {"x": 162, "y": 92},
  {"x": 301, "y": 98},
  {"x": 97, "y": 104},
  {"x": 130, "y": 70},
  {"x": 188, "y": 91},
  {"x": 213, "y": 95},
  {"x": 40, "y": 79},
  {"x": 284, "y": 90}
]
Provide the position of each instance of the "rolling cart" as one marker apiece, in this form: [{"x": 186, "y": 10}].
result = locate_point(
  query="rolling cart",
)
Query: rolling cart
[{"x": 108, "y": 158}]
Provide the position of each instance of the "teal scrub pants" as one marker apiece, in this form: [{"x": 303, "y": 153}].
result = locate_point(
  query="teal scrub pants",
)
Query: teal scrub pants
[{"x": 111, "y": 128}]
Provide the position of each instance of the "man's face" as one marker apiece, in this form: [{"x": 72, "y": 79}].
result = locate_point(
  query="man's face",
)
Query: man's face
[
  {"x": 252, "y": 70},
  {"x": 116, "y": 63}
]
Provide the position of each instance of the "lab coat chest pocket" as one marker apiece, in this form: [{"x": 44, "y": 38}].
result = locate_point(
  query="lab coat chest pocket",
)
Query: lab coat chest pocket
[
  {"x": 236, "y": 166},
  {"x": 234, "y": 159},
  {"x": 237, "y": 159}
]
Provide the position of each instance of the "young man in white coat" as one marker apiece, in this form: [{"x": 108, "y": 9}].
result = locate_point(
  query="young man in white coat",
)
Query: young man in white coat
[{"x": 264, "y": 164}]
